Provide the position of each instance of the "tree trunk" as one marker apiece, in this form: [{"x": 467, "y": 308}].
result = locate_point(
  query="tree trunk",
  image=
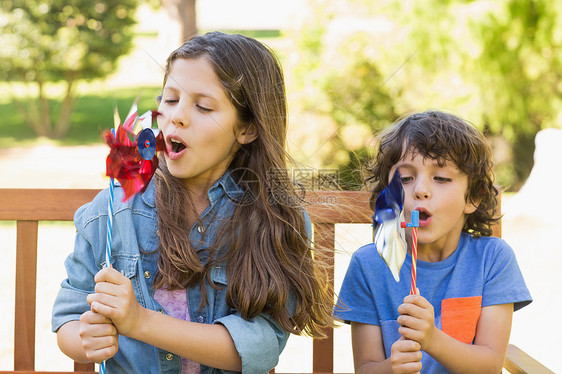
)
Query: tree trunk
[
  {"x": 67, "y": 107},
  {"x": 44, "y": 120},
  {"x": 183, "y": 11},
  {"x": 523, "y": 156}
]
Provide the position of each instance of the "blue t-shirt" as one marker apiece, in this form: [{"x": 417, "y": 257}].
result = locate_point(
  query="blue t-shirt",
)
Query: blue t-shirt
[{"x": 480, "y": 272}]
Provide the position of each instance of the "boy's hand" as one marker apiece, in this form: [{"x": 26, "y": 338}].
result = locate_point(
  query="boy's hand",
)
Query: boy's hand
[
  {"x": 115, "y": 299},
  {"x": 98, "y": 336},
  {"x": 417, "y": 320},
  {"x": 405, "y": 356}
]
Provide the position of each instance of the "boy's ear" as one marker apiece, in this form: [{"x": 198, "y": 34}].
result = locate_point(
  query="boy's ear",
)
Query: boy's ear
[
  {"x": 248, "y": 134},
  {"x": 471, "y": 206}
]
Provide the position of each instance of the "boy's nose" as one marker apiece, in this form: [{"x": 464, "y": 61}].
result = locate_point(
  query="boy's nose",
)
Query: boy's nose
[
  {"x": 422, "y": 191},
  {"x": 422, "y": 195}
]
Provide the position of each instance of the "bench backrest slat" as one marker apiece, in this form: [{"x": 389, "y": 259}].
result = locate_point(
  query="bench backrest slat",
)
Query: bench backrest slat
[
  {"x": 26, "y": 275},
  {"x": 28, "y": 206}
]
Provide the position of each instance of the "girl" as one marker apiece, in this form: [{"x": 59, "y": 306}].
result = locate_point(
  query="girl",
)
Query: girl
[
  {"x": 470, "y": 283},
  {"x": 212, "y": 268}
]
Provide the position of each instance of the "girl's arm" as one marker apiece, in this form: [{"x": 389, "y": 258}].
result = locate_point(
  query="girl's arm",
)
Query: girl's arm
[
  {"x": 369, "y": 356},
  {"x": 70, "y": 343},
  {"x": 92, "y": 339},
  {"x": 207, "y": 344},
  {"x": 487, "y": 353}
]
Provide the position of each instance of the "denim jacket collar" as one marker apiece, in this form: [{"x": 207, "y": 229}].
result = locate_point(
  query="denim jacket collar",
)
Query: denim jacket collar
[
  {"x": 228, "y": 186},
  {"x": 225, "y": 182},
  {"x": 148, "y": 195}
]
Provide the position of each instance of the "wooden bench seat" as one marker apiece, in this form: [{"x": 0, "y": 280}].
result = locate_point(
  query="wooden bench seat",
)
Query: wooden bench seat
[{"x": 29, "y": 206}]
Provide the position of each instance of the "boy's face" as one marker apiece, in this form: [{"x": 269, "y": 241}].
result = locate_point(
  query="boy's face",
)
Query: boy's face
[{"x": 438, "y": 193}]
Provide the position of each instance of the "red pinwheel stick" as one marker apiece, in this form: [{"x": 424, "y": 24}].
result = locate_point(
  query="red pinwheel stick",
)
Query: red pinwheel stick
[{"x": 415, "y": 223}]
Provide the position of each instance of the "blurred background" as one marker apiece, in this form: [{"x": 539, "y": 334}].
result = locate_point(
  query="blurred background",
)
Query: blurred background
[{"x": 352, "y": 67}]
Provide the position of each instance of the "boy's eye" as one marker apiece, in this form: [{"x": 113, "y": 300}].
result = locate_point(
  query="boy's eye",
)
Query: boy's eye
[
  {"x": 405, "y": 179},
  {"x": 442, "y": 179}
]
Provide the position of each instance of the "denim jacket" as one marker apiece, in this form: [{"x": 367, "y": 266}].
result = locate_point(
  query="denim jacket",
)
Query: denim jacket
[{"x": 259, "y": 341}]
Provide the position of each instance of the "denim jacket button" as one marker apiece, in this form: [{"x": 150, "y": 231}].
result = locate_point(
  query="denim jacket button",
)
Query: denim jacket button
[
  {"x": 147, "y": 274},
  {"x": 199, "y": 229},
  {"x": 169, "y": 357},
  {"x": 200, "y": 319}
]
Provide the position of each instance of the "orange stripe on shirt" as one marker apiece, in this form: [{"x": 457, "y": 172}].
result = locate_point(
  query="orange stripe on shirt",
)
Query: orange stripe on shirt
[{"x": 459, "y": 317}]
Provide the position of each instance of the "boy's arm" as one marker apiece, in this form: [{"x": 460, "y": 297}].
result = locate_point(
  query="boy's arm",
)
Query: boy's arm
[
  {"x": 487, "y": 353},
  {"x": 369, "y": 356}
]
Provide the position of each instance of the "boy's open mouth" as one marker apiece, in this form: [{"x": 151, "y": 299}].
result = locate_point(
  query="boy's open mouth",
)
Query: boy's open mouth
[{"x": 424, "y": 216}]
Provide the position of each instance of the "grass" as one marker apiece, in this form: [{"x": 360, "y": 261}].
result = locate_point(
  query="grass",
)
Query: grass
[
  {"x": 92, "y": 115},
  {"x": 94, "y": 109}
]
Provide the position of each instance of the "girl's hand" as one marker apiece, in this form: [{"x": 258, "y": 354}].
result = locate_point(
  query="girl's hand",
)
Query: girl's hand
[
  {"x": 417, "y": 320},
  {"x": 115, "y": 299},
  {"x": 405, "y": 356},
  {"x": 98, "y": 336}
]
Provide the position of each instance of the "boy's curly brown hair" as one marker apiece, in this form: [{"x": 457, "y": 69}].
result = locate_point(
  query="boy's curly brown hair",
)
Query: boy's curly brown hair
[{"x": 441, "y": 137}]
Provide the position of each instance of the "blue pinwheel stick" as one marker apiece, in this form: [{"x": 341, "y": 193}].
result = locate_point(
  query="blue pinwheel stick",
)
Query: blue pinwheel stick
[{"x": 414, "y": 224}]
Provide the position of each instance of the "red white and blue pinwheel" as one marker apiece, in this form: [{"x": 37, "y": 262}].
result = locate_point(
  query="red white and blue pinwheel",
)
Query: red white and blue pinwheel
[
  {"x": 132, "y": 158},
  {"x": 389, "y": 236}
]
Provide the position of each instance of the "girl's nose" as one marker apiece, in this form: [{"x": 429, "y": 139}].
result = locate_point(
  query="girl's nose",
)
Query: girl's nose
[{"x": 179, "y": 117}]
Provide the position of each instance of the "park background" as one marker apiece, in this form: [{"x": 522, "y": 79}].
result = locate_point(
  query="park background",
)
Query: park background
[{"x": 352, "y": 67}]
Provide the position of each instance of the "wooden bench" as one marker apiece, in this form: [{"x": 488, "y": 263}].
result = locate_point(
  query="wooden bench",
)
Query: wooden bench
[{"x": 29, "y": 206}]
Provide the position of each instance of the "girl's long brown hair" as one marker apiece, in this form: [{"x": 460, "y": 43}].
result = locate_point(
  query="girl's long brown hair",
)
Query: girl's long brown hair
[{"x": 264, "y": 244}]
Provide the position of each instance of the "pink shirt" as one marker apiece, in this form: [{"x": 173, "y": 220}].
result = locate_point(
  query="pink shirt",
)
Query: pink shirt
[{"x": 175, "y": 303}]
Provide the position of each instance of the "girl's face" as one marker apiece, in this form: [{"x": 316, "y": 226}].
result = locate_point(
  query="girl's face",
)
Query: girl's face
[
  {"x": 199, "y": 123},
  {"x": 438, "y": 193}
]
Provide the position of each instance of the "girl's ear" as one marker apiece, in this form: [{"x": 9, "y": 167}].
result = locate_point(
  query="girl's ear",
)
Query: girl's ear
[{"x": 248, "y": 134}]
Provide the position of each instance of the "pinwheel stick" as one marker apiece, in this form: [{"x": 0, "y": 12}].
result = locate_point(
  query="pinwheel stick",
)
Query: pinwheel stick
[{"x": 414, "y": 224}]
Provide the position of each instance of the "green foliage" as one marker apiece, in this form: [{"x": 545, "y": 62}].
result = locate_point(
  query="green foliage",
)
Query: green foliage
[
  {"x": 360, "y": 106},
  {"x": 521, "y": 74},
  {"x": 60, "y": 40},
  {"x": 92, "y": 115},
  {"x": 358, "y": 95},
  {"x": 53, "y": 40},
  {"x": 496, "y": 63}
]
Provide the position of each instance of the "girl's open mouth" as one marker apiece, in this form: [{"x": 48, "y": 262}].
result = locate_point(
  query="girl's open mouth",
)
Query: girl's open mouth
[{"x": 175, "y": 147}]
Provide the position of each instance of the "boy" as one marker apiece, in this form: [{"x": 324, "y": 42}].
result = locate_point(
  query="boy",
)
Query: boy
[{"x": 468, "y": 283}]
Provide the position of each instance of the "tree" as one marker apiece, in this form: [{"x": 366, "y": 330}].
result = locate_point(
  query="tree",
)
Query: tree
[
  {"x": 496, "y": 63},
  {"x": 184, "y": 12},
  {"x": 360, "y": 106},
  {"x": 60, "y": 41},
  {"x": 520, "y": 74}
]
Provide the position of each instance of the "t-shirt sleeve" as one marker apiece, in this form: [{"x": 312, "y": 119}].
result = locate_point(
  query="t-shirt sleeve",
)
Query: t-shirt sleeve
[
  {"x": 504, "y": 282},
  {"x": 356, "y": 300}
]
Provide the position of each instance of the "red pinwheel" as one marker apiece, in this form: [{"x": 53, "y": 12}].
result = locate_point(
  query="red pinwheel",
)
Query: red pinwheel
[{"x": 132, "y": 159}]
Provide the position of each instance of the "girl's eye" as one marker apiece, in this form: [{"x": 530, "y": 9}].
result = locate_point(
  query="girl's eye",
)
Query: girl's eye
[
  {"x": 170, "y": 101},
  {"x": 443, "y": 179},
  {"x": 406, "y": 179},
  {"x": 203, "y": 109}
]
